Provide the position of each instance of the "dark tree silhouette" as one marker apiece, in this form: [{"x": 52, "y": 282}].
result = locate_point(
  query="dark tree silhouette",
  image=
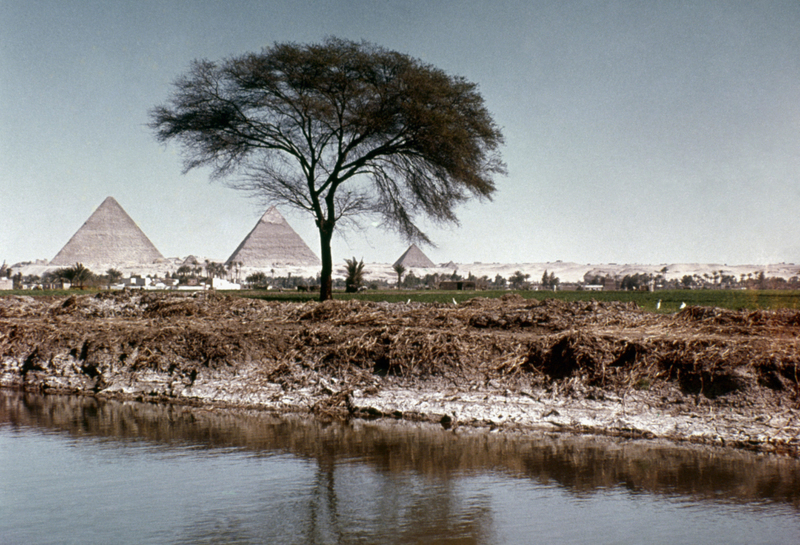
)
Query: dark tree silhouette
[
  {"x": 257, "y": 279},
  {"x": 337, "y": 129},
  {"x": 77, "y": 275},
  {"x": 399, "y": 269},
  {"x": 113, "y": 276},
  {"x": 518, "y": 279}
]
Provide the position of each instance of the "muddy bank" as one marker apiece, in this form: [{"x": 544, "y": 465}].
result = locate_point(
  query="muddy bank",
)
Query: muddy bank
[{"x": 703, "y": 375}]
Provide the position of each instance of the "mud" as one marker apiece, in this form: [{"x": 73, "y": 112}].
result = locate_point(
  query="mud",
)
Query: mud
[{"x": 703, "y": 375}]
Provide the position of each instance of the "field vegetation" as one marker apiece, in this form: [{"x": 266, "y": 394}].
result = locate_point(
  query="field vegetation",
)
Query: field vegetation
[{"x": 670, "y": 300}]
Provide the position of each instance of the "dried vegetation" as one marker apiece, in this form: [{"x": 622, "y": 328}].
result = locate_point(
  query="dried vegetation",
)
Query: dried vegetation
[{"x": 701, "y": 355}]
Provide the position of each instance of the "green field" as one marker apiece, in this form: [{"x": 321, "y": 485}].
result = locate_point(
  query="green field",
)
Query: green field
[{"x": 671, "y": 300}]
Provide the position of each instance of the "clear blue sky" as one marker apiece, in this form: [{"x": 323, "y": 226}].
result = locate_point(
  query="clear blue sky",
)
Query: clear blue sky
[{"x": 650, "y": 132}]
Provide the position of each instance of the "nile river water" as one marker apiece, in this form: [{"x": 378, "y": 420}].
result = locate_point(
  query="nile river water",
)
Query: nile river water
[{"x": 81, "y": 470}]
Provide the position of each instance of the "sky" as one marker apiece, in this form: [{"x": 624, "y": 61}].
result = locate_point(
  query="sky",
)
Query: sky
[{"x": 635, "y": 131}]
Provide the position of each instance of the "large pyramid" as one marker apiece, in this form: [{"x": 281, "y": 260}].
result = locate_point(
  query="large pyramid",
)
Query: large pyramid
[
  {"x": 108, "y": 238},
  {"x": 413, "y": 257},
  {"x": 273, "y": 242}
]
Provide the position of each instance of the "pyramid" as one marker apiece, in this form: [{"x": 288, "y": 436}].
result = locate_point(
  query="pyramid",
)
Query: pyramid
[
  {"x": 273, "y": 242},
  {"x": 413, "y": 257},
  {"x": 108, "y": 238}
]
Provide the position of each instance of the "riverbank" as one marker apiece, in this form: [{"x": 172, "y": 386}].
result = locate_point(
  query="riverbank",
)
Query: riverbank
[{"x": 702, "y": 375}]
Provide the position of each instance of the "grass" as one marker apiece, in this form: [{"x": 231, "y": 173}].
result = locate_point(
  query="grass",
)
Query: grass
[{"x": 671, "y": 300}]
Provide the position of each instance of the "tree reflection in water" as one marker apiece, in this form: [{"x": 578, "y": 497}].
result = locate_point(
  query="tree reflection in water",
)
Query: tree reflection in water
[{"x": 410, "y": 488}]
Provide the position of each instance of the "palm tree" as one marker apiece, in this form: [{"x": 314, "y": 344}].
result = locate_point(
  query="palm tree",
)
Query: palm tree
[
  {"x": 355, "y": 275},
  {"x": 399, "y": 269},
  {"x": 77, "y": 275},
  {"x": 214, "y": 270}
]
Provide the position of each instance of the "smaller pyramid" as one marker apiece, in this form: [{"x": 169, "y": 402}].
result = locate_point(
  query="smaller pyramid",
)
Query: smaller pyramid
[
  {"x": 273, "y": 242},
  {"x": 108, "y": 238},
  {"x": 413, "y": 257}
]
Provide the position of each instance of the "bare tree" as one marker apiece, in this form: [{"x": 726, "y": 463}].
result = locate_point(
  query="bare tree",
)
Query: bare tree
[{"x": 337, "y": 129}]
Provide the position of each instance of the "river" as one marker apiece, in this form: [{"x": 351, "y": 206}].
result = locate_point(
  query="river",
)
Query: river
[{"x": 81, "y": 470}]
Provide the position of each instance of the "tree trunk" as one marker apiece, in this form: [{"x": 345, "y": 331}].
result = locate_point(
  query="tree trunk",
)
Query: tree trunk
[{"x": 326, "y": 275}]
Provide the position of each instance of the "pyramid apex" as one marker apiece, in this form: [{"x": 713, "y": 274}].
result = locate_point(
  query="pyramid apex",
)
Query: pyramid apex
[
  {"x": 272, "y": 216},
  {"x": 413, "y": 257},
  {"x": 110, "y": 200}
]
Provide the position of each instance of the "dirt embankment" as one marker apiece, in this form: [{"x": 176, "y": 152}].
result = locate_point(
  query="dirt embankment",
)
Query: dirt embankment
[{"x": 705, "y": 375}]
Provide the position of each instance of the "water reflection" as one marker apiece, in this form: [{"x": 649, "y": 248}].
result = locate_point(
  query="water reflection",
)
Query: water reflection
[
  {"x": 373, "y": 482},
  {"x": 579, "y": 464}
]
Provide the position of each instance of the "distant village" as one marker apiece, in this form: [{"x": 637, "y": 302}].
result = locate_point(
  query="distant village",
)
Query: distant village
[{"x": 110, "y": 251}]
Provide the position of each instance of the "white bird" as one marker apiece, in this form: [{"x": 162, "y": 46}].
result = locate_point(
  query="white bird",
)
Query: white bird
[
  {"x": 658, "y": 305},
  {"x": 408, "y": 302},
  {"x": 454, "y": 301},
  {"x": 683, "y": 305}
]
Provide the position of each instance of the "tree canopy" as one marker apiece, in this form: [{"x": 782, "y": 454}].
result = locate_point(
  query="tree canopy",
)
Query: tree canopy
[{"x": 337, "y": 129}]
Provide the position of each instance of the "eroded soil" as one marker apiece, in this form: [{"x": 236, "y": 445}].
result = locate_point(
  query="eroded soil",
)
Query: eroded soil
[{"x": 704, "y": 375}]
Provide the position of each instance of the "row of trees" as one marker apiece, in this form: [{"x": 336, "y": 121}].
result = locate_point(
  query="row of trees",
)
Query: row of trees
[
  {"x": 259, "y": 280},
  {"x": 716, "y": 280},
  {"x": 230, "y": 270},
  {"x": 81, "y": 277},
  {"x": 757, "y": 280},
  {"x": 77, "y": 275},
  {"x": 355, "y": 279}
]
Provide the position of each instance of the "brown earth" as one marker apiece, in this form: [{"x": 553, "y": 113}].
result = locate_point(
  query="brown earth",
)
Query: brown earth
[{"x": 704, "y": 375}]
